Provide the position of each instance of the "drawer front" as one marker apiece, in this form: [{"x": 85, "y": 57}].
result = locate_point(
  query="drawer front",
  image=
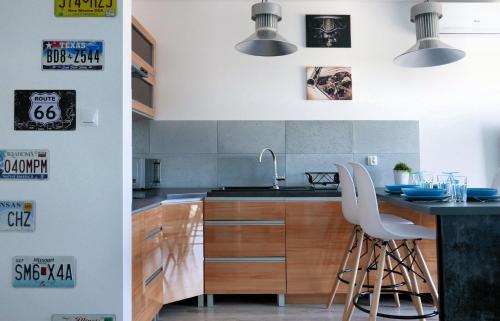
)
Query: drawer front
[
  {"x": 152, "y": 219},
  {"x": 244, "y": 240},
  {"x": 152, "y": 241},
  {"x": 151, "y": 263},
  {"x": 245, "y": 277},
  {"x": 244, "y": 211}
]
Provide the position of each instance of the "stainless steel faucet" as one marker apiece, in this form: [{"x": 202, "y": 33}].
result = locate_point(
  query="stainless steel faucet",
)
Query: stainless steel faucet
[{"x": 276, "y": 177}]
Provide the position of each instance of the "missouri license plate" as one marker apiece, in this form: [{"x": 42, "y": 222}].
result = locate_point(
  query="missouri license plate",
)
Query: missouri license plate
[
  {"x": 72, "y": 55},
  {"x": 43, "y": 272},
  {"x": 85, "y": 8},
  {"x": 17, "y": 216},
  {"x": 24, "y": 164}
]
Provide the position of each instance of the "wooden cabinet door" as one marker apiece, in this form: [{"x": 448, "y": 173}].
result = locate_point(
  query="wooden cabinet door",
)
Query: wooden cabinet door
[
  {"x": 182, "y": 249},
  {"x": 138, "y": 297},
  {"x": 316, "y": 236}
]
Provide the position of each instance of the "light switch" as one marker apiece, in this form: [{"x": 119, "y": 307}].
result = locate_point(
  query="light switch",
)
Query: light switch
[
  {"x": 372, "y": 160},
  {"x": 89, "y": 117}
]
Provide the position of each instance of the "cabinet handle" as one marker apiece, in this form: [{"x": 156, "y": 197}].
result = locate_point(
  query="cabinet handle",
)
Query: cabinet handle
[
  {"x": 244, "y": 222},
  {"x": 153, "y": 276},
  {"x": 245, "y": 259},
  {"x": 153, "y": 233}
]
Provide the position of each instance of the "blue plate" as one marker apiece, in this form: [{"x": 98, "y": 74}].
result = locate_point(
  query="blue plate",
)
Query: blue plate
[
  {"x": 483, "y": 198},
  {"x": 424, "y": 198},
  {"x": 396, "y": 188},
  {"x": 424, "y": 192},
  {"x": 479, "y": 192}
]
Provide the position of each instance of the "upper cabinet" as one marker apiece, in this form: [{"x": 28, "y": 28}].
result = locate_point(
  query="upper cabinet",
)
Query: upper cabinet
[{"x": 143, "y": 70}]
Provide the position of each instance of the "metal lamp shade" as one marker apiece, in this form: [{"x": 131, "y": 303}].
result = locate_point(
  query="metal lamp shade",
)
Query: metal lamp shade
[
  {"x": 429, "y": 51},
  {"x": 266, "y": 41}
]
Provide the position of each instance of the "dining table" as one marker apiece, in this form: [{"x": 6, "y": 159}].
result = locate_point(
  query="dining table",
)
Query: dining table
[{"x": 468, "y": 255}]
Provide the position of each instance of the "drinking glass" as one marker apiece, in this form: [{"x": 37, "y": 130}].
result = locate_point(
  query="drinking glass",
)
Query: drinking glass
[
  {"x": 450, "y": 183},
  {"x": 416, "y": 178},
  {"x": 460, "y": 189},
  {"x": 427, "y": 180}
]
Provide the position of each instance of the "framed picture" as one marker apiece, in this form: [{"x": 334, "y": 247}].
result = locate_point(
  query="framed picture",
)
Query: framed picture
[
  {"x": 329, "y": 83},
  {"x": 328, "y": 31}
]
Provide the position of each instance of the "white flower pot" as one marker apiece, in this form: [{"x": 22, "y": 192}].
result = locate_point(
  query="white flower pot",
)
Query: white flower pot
[{"x": 401, "y": 177}]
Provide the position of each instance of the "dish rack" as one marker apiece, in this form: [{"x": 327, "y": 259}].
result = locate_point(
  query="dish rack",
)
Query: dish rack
[{"x": 323, "y": 179}]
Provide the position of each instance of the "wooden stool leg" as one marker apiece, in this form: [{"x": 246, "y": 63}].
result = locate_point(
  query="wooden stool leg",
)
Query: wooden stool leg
[
  {"x": 343, "y": 265},
  {"x": 404, "y": 272},
  {"x": 428, "y": 277},
  {"x": 377, "y": 288},
  {"x": 355, "y": 268},
  {"x": 393, "y": 280},
  {"x": 414, "y": 283},
  {"x": 349, "y": 307}
]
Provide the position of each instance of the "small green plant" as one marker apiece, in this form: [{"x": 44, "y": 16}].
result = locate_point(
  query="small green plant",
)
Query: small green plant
[{"x": 402, "y": 167}]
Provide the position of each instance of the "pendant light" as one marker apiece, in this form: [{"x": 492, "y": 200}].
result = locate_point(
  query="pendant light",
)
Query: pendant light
[
  {"x": 266, "y": 41},
  {"x": 429, "y": 51}
]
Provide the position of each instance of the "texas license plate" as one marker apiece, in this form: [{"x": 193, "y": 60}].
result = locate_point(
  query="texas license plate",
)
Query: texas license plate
[
  {"x": 17, "y": 216},
  {"x": 24, "y": 164},
  {"x": 85, "y": 8},
  {"x": 44, "y": 272},
  {"x": 73, "y": 55}
]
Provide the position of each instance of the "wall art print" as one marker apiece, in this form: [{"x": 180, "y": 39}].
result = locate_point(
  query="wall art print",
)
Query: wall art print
[
  {"x": 328, "y": 31},
  {"x": 329, "y": 83}
]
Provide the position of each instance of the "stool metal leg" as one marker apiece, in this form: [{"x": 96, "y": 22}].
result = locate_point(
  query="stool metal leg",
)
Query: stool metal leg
[
  {"x": 342, "y": 267},
  {"x": 393, "y": 280},
  {"x": 349, "y": 309},
  {"x": 378, "y": 282}
]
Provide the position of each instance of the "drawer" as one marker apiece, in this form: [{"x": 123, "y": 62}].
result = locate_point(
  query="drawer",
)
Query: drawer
[
  {"x": 243, "y": 211},
  {"x": 230, "y": 239},
  {"x": 151, "y": 263},
  {"x": 245, "y": 277},
  {"x": 152, "y": 241},
  {"x": 152, "y": 219}
]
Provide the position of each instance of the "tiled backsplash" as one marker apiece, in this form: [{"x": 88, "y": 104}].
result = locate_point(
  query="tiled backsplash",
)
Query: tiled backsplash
[{"x": 225, "y": 153}]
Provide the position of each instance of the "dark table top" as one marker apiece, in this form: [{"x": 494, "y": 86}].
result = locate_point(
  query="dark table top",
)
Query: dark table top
[{"x": 442, "y": 208}]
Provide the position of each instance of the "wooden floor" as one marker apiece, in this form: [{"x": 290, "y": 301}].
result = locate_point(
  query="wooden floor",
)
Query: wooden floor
[{"x": 267, "y": 311}]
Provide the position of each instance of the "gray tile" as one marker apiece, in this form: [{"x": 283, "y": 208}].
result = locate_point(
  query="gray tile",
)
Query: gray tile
[
  {"x": 386, "y": 137},
  {"x": 298, "y": 164},
  {"x": 382, "y": 173},
  {"x": 240, "y": 137},
  {"x": 318, "y": 137},
  {"x": 189, "y": 137},
  {"x": 245, "y": 170},
  {"x": 189, "y": 170},
  {"x": 140, "y": 136}
]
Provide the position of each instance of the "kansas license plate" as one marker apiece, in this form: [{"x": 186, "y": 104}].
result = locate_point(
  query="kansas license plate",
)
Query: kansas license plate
[
  {"x": 17, "y": 216},
  {"x": 83, "y": 317},
  {"x": 44, "y": 272},
  {"x": 85, "y": 8},
  {"x": 24, "y": 164},
  {"x": 72, "y": 55}
]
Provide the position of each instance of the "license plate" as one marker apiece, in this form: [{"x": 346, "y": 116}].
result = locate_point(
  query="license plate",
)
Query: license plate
[
  {"x": 17, "y": 216},
  {"x": 24, "y": 164},
  {"x": 85, "y": 8},
  {"x": 73, "y": 55},
  {"x": 83, "y": 317},
  {"x": 44, "y": 272}
]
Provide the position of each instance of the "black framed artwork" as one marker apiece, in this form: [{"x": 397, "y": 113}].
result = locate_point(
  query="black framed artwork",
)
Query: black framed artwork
[{"x": 328, "y": 31}]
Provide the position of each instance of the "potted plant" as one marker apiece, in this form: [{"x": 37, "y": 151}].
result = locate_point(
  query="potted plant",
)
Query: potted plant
[{"x": 402, "y": 173}]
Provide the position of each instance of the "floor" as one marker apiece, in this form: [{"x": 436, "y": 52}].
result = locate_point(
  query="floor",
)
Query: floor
[{"x": 230, "y": 310}]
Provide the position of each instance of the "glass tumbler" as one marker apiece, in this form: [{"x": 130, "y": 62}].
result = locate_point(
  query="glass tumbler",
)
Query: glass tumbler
[
  {"x": 460, "y": 189},
  {"x": 427, "y": 181}
]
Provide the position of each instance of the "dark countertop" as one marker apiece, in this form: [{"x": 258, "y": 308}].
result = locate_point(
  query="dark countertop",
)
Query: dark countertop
[
  {"x": 268, "y": 192},
  {"x": 156, "y": 197},
  {"x": 436, "y": 208}
]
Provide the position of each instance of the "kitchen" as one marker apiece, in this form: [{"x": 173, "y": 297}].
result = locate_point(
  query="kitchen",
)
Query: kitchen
[{"x": 215, "y": 131}]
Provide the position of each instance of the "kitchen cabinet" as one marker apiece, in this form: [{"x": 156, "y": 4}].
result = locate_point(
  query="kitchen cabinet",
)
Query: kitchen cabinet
[
  {"x": 244, "y": 247},
  {"x": 143, "y": 67},
  {"x": 182, "y": 251}
]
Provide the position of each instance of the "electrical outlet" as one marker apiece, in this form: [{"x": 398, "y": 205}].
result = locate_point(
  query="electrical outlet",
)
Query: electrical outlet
[{"x": 372, "y": 160}]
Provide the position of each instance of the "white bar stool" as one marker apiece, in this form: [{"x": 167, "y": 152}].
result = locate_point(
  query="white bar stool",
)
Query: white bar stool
[
  {"x": 384, "y": 234},
  {"x": 350, "y": 212}
]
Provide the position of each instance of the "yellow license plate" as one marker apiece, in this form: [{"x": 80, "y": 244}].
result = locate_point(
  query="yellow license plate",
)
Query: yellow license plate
[{"x": 85, "y": 8}]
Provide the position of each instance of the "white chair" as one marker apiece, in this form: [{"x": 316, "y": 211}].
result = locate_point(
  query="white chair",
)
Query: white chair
[
  {"x": 384, "y": 234},
  {"x": 350, "y": 212},
  {"x": 496, "y": 180}
]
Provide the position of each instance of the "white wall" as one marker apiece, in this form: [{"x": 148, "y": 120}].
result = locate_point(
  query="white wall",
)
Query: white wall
[
  {"x": 83, "y": 210},
  {"x": 201, "y": 76}
]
